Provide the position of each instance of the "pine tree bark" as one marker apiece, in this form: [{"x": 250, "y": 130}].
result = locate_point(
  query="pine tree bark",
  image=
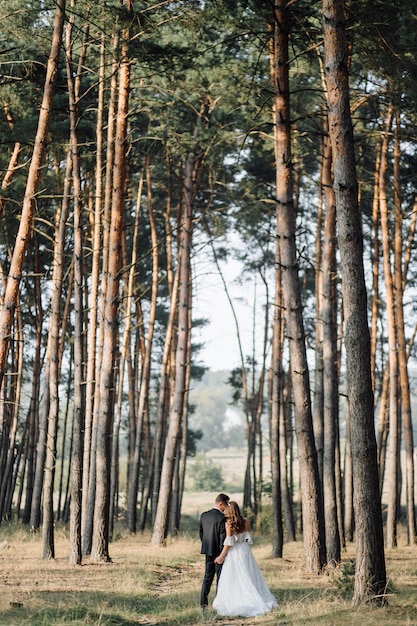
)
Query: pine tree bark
[
  {"x": 404, "y": 381},
  {"x": 25, "y": 226},
  {"x": 100, "y": 544},
  {"x": 92, "y": 418},
  {"x": 74, "y": 85},
  {"x": 312, "y": 505},
  {"x": 146, "y": 365},
  {"x": 53, "y": 380},
  {"x": 176, "y": 412},
  {"x": 276, "y": 385},
  {"x": 370, "y": 576},
  {"x": 328, "y": 315},
  {"x": 33, "y": 413},
  {"x": 94, "y": 291},
  {"x": 394, "y": 410}
]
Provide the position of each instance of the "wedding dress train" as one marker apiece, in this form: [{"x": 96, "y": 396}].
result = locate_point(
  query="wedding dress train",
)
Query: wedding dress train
[{"x": 242, "y": 589}]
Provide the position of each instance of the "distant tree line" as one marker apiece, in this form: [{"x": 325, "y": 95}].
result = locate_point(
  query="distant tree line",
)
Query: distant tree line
[{"x": 136, "y": 137}]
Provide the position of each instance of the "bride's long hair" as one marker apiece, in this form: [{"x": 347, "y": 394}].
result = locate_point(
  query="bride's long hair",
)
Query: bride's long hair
[{"x": 235, "y": 518}]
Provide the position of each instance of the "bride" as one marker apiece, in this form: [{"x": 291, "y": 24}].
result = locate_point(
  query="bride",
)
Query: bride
[{"x": 241, "y": 589}]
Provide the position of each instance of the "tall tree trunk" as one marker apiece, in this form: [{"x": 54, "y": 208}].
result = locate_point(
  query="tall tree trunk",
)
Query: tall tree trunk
[
  {"x": 286, "y": 443},
  {"x": 399, "y": 284},
  {"x": 146, "y": 365},
  {"x": 318, "y": 398},
  {"x": 153, "y": 479},
  {"x": 94, "y": 291},
  {"x": 383, "y": 427},
  {"x": 370, "y": 577},
  {"x": 53, "y": 365},
  {"x": 33, "y": 413},
  {"x": 276, "y": 386},
  {"x": 100, "y": 545},
  {"x": 74, "y": 85},
  {"x": 29, "y": 202},
  {"x": 313, "y": 520},
  {"x": 181, "y": 460},
  {"x": 394, "y": 409},
  {"x": 126, "y": 360},
  {"x": 181, "y": 359},
  {"x": 375, "y": 275},
  {"x": 90, "y": 439},
  {"x": 328, "y": 314}
]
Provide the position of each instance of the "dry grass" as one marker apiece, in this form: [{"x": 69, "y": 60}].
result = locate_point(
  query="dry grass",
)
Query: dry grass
[{"x": 160, "y": 586}]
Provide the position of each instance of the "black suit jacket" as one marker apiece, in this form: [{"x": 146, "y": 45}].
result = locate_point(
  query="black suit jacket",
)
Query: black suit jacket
[{"x": 212, "y": 532}]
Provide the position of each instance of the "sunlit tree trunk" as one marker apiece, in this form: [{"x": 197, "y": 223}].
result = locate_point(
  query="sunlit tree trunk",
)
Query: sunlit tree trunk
[
  {"x": 9, "y": 302},
  {"x": 153, "y": 479},
  {"x": 176, "y": 413},
  {"x": 90, "y": 439},
  {"x": 100, "y": 544},
  {"x": 14, "y": 158},
  {"x": 181, "y": 355},
  {"x": 383, "y": 427},
  {"x": 370, "y": 576},
  {"x": 146, "y": 365},
  {"x": 399, "y": 284},
  {"x": 394, "y": 409}
]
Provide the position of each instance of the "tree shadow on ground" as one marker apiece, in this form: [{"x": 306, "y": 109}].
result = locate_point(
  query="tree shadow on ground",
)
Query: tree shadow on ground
[{"x": 112, "y": 609}]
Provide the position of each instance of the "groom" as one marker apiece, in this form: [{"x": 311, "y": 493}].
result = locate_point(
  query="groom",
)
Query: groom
[{"x": 212, "y": 535}]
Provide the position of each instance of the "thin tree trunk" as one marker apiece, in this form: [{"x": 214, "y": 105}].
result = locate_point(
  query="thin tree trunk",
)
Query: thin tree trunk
[
  {"x": 399, "y": 284},
  {"x": 287, "y": 459},
  {"x": 328, "y": 314},
  {"x": 90, "y": 439},
  {"x": 312, "y": 504},
  {"x": 383, "y": 427},
  {"x": 53, "y": 367},
  {"x": 146, "y": 365},
  {"x": 74, "y": 85},
  {"x": 349, "y": 514},
  {"x": 94, "y": 291},
  {"x": 6, "y": 483},
  {"x": 8, "y": 306},
  {"x": 394, "y": 417},
  {"x": 318, "y": 398},
  {"x": 375, "y": 275},
  {"x": 65, "y": 452},
  {"x": 276, "y": 407},
  {"x": 33, "y": 413},
  {"x": 176, "y": 412},
  {"x": 100, "y": 545},
  {"x": 163, "y": 395}
]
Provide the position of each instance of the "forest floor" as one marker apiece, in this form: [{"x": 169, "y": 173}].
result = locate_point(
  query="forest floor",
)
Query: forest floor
[{"x": 145, "y": 585}]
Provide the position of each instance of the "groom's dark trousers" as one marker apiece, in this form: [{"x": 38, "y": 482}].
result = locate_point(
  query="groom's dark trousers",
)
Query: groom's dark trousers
[{"x": 212, "y": 535}]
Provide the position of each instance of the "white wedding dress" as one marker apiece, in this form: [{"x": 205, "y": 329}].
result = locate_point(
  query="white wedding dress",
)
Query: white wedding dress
[{"x": 242, "y": 589}]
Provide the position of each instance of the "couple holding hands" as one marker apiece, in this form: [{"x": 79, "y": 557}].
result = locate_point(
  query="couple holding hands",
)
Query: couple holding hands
[{"x": 225, "y": 541}]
